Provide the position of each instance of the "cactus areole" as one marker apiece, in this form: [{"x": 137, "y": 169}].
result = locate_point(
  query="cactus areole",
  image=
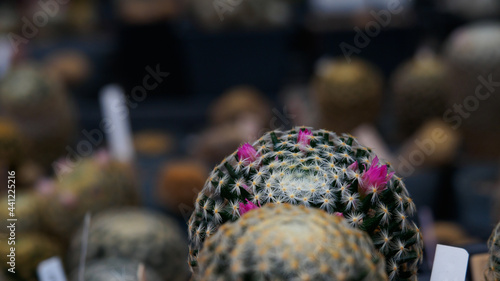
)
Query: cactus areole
[{"x": 318, "y": 169}]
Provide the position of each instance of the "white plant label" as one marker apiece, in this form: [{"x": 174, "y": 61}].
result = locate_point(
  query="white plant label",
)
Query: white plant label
[
  {"x": 450, "y": 264},
  {"x": 51, "y": 270},
  {"x": 117, "y": 123}
]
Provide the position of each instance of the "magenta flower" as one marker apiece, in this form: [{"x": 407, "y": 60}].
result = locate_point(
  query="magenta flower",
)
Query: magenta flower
[
  {"x": 338, "y": 214},
  {"x": 247, "y": 151},
  {"x": 244, "y": 208},
  {"x": 354, "y": 166},
  {"x": 375, "y": 178},
  {"x": 304, "y": 137}
]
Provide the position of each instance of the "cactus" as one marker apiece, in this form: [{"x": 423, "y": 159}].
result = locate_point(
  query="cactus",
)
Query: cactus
[
  {"x": 94, "y": 184},
  {"x": 41, "y": 110},
  {"x": 494, "y": 245},
  {"x": 130, "y": 233},
  {"x": 287, "y": 242},
  {"x": 317, "y": 169},
  {"x": 11, "y": 147},
  {"x": 114, "y": 269},
  {"x": 472, "y": 51},
  {"x": 255, "y": 14},
  {"x": 179, "y": 183},
  {"x": 31, "y": 249},
  {"x": 27, "y": 211},
  {"x": 421, "y": 88},
  {"x": 351, "y": 89}
]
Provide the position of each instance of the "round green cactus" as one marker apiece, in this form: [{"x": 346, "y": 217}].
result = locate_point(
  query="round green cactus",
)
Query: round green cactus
[
  {"x": 287, "y": 242},
  {"x": 421, "y": 88},
  {"x": 494, "y": 245},
  {"x": 137, "y": 234},
  {"x": 316, "y": 169}
]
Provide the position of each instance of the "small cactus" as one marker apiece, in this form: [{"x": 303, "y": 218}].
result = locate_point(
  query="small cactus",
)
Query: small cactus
[
  {"x": 94, "y": 184},
  {"x": 41, "y": 110},
  {"x": 421, "y": 88},
  {"x": 317, "y": 169},
  {"x": 347, "y": 94},
  {"x": 31, "y": 249},
  {"x": 494, "y": 245},
  {"x": 131, "y": 233},
  {"x": 287, "y": 242}
]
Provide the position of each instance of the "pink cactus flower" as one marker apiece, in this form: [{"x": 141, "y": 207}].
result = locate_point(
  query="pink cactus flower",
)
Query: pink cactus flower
[
  {"x": 247, "y": 151},
  {"x": 244, "y": 208},
  {"x": 304, "y": 137},
  {"x": 338, "y": 214},
  {"x": 375, "y": 179},
  {"x": 354, "y": 166}
]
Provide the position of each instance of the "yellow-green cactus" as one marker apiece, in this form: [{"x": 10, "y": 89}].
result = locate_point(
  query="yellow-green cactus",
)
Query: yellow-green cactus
[
  {"x": 421, "y": 87},
  {"x": 347, "y": 94},
  {"x": 93, "y": 185},
  {"x": 130, "y": 233},
  {"x": 287, "y": 242},
  {"x": 41, "y": 110}
]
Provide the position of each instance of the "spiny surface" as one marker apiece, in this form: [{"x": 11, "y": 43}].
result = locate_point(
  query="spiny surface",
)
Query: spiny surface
[
  {"x": 287, "y": 242},
  {"x": 316, "y": 169}
]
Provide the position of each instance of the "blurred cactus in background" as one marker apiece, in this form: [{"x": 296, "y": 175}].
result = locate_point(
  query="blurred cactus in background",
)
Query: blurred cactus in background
[
  {"x": 40, "y": 108},
  {"x": 494, "y": 245},
  {"x": 11, "y": 143},
  {"x": 179, "y": 183},
  {"x": 421, "y": 88},
  {"x": 318, "y": 169},
  {"x": 239, "y": 115},
  {"x": 255, "y": 14},
  {"x": 31, "y": 249},
  {"x": 472, "y": 52},
  {"x": 27, "y": 210},
  {"x": 136, "y": 234},
  {"x": 115, "y": 269},
  {"x": 94, "y": 184},
  {"x": 287, "y": 242},
  {"x": 348, "y": 94}
]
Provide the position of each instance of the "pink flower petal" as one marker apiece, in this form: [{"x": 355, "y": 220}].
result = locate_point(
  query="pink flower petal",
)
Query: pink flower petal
[
  {"x": 247, "y": 151},
  {"x": 244, "y": 208}
]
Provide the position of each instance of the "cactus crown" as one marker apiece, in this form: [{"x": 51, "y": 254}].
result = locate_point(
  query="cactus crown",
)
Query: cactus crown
[
  {"x": 494, "y": 245},
  {"x": 317, "y": 169},
  {"x": 287, "y": 242}
]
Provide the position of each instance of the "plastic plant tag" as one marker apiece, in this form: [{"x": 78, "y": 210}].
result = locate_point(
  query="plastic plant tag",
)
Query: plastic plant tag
[
  {"x": 450, "y": 264},
  {"x": 117, "y": 123},
  {"x": 51, "y": 270}
]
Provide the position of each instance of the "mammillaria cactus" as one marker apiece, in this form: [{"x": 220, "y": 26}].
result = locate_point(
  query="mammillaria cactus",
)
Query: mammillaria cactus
[
  {"x": 287, "y": 242},
  {"x": 10, "y": 143},
  {"x": 27, "y": 211},
  {"x": 343, "y": 89},
  {"x": 317, "y": 169},
  {"x": 472, "y": 51},
  {"x": 494, "y": 244},
  {"x": 420, "y": 88},
  {"x": 40, "y": 108},
  {"x": 141, "y": 235},
  {"x": 179, "y": 183},
  {"x": 114, "y": 269},
  {"x": 31, "y": 249},
  {"x": 94, "y": 184}
]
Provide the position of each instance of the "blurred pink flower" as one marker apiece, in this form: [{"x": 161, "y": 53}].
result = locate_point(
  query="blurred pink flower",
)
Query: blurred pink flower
[
  {"x": 247, "y": 151},
  {"x": 304, "y": 137},
  {"x": 354, "y": 166},
  {"x": 375, "y": 178},
  {"x": 244, "y": 208},
  {"x": 338, "y": 214}
]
